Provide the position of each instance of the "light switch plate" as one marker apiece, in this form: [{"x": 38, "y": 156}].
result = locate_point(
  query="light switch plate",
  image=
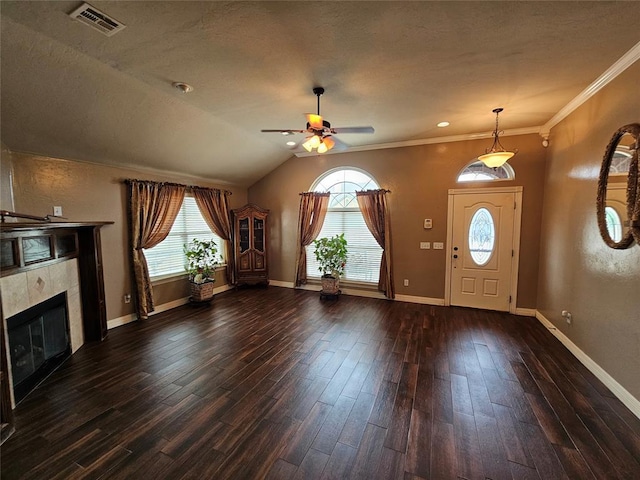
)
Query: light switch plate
[
  {"x": 438, "y": 246},
  {"x": 425, "y": 245}
]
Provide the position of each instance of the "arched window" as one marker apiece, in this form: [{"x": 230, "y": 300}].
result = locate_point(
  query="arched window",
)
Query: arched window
[
  {"x": 621, "y": 161},
  {"x": 344, "y": 216},
  {"x": 476, "y": 171}
]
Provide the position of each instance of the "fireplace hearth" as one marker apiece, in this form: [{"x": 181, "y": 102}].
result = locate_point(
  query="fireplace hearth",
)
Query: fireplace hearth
[{"x": 39, "y": 342}]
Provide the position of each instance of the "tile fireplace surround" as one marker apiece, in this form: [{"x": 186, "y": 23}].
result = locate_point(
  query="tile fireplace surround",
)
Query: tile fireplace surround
[{"x": 23, "y": 290}]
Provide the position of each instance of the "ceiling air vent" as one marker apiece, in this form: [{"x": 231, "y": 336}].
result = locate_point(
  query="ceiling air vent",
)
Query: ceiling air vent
[{"x": 95, "y": 18}]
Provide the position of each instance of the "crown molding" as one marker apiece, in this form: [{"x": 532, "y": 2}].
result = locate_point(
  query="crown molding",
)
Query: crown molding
[
  {"x": 427, "y": 141},
  {"x": 612, "y": 72}
]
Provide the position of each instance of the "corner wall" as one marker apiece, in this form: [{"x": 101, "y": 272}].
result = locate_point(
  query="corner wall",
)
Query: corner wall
[
  {"x": 419, "y": 178},
  {"x": 600, "y": 286},
  {"x": 90, "y": 192}
]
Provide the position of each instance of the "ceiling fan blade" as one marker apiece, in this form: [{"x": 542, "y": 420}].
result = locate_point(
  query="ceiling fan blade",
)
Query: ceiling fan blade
[
  {"x": 339, "y": 130},
  {"x": 338, "y": 144},
  {"x": 283, "y": 131},
  {"x": 315, "y": 121}
]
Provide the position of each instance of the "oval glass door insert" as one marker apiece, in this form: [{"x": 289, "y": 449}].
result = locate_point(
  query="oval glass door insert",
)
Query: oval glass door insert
[{"x": 482, "y": 235}]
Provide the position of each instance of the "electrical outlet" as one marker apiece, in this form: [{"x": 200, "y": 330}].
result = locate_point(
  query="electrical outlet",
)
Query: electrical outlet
[
  {"x": 425, "y": 245},
  {"x": 567, "y": 316},
  {"x": 127, "y": 298},
  {"x": 428, "y": 223},
  {"x": 57, "y": 211},
  {"x": 438, "y": 246},
  {"x": 406, "y": 282}
]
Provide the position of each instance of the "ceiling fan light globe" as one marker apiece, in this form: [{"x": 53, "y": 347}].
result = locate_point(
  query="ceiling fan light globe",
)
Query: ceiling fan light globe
[
  {"x": 322, "y": 148},
  {"x": 329, "y": 142},
  {"x": 307, "y": 144},
  {"x": 314, "y": 141},
  {"x": 315, "y": 121}
]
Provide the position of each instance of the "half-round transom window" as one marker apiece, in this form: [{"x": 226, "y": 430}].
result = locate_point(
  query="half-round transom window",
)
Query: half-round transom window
[
  {"x": 343, "y": 184},
  {"x": 476, "y": 171},
  {"x": 482, "y": 235},
  {"x": 614, "y": 223}
]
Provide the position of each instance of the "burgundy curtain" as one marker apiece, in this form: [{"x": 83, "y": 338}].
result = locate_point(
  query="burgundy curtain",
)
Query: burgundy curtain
[
  {"x": 313, "y": 209},
  {"x": 153, "y": 208},
  {"x": 214, "y": 206},
  {"x": 376, "y": 215}
]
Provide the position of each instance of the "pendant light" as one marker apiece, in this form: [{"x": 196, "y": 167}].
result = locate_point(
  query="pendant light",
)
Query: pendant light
[{"x": 496, "y": 155}]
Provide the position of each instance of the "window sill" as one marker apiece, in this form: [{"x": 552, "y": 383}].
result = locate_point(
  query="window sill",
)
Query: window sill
[
  {"x": 174, "y": 277},
  {"x": 347, "y": 284}
]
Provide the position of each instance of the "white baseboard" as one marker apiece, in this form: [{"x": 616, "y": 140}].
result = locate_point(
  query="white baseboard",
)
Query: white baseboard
[
  {"x": 421, "y": 300},
  {"x": 526, "y": 312},
  {"x": 618, "y": 390},
  {"x": 117, "y": 322},
  {"x": 132, "y": 317}
]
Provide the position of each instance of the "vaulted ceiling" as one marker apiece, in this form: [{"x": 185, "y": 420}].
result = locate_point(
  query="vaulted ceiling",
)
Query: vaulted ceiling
[{"x": 71, "y": 92}]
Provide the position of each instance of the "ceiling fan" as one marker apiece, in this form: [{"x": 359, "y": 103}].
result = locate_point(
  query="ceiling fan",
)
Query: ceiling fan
[{"x": 321, "y": 133}]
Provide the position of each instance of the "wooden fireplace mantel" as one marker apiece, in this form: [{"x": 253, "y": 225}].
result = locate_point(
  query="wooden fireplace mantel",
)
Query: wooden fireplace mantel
[{"x": 28, "y": 245}]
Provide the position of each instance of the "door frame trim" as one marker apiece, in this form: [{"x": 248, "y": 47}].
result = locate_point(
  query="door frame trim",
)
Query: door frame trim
[{"x": 517, "y": 221}]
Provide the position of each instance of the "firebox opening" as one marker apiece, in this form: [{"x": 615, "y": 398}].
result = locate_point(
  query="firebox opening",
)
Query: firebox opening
[{"x": 39, "y": 342}]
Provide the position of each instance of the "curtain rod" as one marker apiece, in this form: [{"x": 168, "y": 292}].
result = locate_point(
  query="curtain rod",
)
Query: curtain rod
[
  {"x": 329, "y": 193},
  {"x": 190, "y": 187}
]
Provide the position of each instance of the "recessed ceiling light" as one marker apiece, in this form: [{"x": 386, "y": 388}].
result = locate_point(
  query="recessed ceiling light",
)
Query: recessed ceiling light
[
  {"x": 291, "y": 143},
  {"x": 443, "y": 124},
  {"x": 183, "y": 87}
]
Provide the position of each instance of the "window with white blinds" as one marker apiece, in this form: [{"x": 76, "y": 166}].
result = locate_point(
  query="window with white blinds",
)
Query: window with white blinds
[
  {"x": 167, "y": 258},
  {"x": 344, "y": 216}
]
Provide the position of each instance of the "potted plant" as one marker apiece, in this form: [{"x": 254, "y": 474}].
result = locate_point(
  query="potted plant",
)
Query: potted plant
[
  {"x": 202, "y": 259},
  {"x": 331, "y": 254}
]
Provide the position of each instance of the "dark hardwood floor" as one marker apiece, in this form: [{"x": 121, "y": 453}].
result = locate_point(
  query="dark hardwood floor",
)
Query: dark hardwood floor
[{"x": 275, "y": 383}]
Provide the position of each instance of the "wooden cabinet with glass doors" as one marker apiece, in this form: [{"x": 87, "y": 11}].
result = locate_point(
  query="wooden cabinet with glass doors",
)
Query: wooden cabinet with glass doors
[{"x": 250, "y": 245}]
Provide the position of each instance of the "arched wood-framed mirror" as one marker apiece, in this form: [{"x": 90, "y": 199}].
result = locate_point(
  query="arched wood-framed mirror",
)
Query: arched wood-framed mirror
[{"x": 618, "y": 202}]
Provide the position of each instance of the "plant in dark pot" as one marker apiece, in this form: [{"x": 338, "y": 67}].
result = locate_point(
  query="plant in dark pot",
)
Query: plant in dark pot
[
  {"x": 202, "y": 259},
  {"x": 331, "y": 254}
]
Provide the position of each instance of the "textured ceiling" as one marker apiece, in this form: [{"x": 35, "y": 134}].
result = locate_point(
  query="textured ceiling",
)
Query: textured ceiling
[{"x": 69, "y": 91}]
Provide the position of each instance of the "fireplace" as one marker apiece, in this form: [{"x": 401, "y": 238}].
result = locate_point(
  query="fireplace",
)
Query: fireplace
[
  {"x": 39, "y": 342},
  {"x": 34, "y": 344}
]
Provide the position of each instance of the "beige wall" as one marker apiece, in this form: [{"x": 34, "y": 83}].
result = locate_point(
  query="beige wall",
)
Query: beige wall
[
  {"x": 600, "y": 286},
  {"x": 419, "y": 178},
  {"x": 6, "y": 175},
  {"x": 89, "y": 192}
]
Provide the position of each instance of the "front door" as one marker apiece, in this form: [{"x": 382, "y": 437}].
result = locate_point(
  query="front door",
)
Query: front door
[{"x": 482, "y": 248}]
